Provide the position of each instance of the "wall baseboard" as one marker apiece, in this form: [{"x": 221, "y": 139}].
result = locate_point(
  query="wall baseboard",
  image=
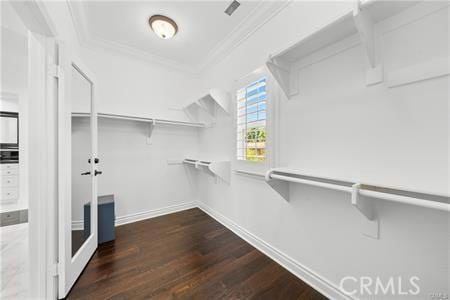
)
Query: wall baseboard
[
  {"x": 310, "y": 277},
  {"x": 131, "y": 218},
  {"x": 78, "y": 225},
  {"x": 316, "y": 281}
]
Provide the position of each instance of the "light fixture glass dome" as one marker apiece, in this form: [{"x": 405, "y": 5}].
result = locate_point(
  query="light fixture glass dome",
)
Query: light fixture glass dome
[{"x": 163, "y": 26}]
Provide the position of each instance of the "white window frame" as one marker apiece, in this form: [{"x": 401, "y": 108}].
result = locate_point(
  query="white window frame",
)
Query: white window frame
[{"x": 272, "y": 122}]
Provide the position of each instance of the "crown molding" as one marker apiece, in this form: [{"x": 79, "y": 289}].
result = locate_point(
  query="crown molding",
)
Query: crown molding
[
  {"x": 259, "y": 16},
  {"x": 86, "y": 40},
  {"x": 99, "y": 43}
]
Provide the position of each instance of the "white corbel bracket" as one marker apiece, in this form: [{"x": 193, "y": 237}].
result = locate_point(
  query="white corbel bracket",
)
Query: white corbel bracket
[
  {"x": 370, "y": 224},
  {"x": 151, "y": 126},
  {"x": 191, "y": 116},
  {"x": 366, "y": 31},
  {"x": 279, "y": 186},
  {"x": 365, "y": 208},
  {"x": 287, "y": 80}
]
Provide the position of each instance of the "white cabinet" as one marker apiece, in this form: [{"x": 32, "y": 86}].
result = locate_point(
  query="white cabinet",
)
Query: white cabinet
[
  {"x": 9, "y": 182},
  {"x": 10, "y": 194}
]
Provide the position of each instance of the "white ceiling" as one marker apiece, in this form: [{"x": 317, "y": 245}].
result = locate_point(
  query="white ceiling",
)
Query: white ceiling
[{"x": 205, "y": 34}]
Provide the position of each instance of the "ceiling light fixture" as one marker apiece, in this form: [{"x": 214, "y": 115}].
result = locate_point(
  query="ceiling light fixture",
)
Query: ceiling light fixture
[{"x": 163, "y": 26}]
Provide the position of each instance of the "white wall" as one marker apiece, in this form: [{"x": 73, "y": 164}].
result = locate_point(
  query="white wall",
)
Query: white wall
[
  {"x": 133, "y": 87},
  {"x": 127, "y": 85},
  {"x": 340, "y": 128},
  {"x": 135, "y": 172},
  {"x": 14, "y": 81}
]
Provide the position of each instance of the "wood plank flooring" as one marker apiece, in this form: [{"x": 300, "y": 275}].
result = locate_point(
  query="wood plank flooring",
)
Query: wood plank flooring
[{"x": 186, "y": 255}]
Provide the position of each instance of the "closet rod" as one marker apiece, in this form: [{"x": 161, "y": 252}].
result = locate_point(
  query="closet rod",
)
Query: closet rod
[
  {"x": 141, "y": 119},
  {"x": 364, "y": 192},
  {"x": 196, "y": 162},
  {"x": 179, "y": 123},
  {"x": 250, "y": 173}
]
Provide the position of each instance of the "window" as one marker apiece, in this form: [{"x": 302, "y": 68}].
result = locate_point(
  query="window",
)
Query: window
[{"x": 251, "y": 121}]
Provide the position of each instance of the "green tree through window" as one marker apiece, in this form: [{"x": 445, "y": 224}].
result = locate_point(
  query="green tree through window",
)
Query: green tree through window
[{"x": 251, "y": 121}]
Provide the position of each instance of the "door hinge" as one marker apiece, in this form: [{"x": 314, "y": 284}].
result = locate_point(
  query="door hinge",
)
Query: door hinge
[
  {"x": 55, "y": 70},
  {"x": 55, "y": 270}
]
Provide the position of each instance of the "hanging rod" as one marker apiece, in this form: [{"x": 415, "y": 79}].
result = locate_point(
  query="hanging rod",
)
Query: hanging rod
[
  {"x": 250, "y": 173},
  {"x": 196, "y": 162},
  {"x": 190, "y": 162},
  {"x": 363, "y": 190},
  {"x": 217, "y": 168},
  {"x": 142, "y": 119}
]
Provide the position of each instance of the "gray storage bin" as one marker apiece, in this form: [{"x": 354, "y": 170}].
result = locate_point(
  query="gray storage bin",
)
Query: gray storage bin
[{"x": 105, "y": 218}]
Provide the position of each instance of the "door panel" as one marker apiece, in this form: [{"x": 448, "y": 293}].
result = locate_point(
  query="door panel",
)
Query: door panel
[
  {"x": 81, "y": 151},
  {"x": 77, "y": 182}
]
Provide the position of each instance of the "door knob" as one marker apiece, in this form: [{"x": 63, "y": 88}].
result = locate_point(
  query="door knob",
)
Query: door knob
[
  {"x": 96, "y": 160},
  {"x": 86, "y": 173}
]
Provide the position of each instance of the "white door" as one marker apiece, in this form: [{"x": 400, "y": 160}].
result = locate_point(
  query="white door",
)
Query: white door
[{"x": 77, "y": 169}]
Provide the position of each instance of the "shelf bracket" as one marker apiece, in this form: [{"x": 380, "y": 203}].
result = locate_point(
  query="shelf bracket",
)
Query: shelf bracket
[
  {"x": 366, "y": 31},
  {"x": 279, "y": 186},
  {"x": 202, "y": 106},
  {"x": 206, "y": 106},
  {"x": 221, "y": 169},
  {"x": 370, "y": 223},
  {"x": 151, "y": 126},
  {"x": 222, "y": 99},
  {"x": 217, "y": 169},
  {"x": 287, "y": 80}
]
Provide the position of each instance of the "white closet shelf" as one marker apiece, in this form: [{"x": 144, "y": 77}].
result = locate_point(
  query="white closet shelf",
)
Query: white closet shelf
[
  {"x": 360, "y": 21},
  {"x": 280, "y": 178},
  {"x": 207, "y": 104},
  {"x": 152, "y": 121},
  {"x": 218, "y": 168}
]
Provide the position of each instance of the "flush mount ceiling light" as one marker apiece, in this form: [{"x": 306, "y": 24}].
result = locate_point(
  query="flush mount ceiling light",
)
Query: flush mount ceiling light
[{"x": 163, "y": 26}]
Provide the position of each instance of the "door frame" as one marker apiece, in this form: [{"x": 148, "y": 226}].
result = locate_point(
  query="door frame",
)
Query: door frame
[
  {"x": 70, "y": 267},
  {"x": 43, "y": 140}
]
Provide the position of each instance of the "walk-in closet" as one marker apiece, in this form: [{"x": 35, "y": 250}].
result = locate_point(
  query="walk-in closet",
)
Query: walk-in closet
[{"x": 238, "y": 149}]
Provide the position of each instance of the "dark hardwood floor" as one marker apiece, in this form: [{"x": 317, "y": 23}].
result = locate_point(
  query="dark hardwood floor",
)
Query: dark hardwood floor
[{"x": 186, "y": 255}]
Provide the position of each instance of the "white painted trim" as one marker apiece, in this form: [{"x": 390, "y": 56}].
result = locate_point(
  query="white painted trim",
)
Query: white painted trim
[
  {"x": 262, "y": 14},
  {"x": 43, "y": 159},
  {"x": 39, "y": 162},
  {"x": 411, "y": 15},
  {"x": 35, "y": 17},
  {"x": 221, "y": 169},
  {"x": 70, "y": 267},
  {"x": 433, "y": 68},
  {"x": 310, "y": 277},
  {"x": 78, "y": 225},
  {"x": 259, "y": 16},
  {"x": 307, "y": 275},
  {"x": 131, "y": 218},
  {"x": 274, "y": 93}
]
